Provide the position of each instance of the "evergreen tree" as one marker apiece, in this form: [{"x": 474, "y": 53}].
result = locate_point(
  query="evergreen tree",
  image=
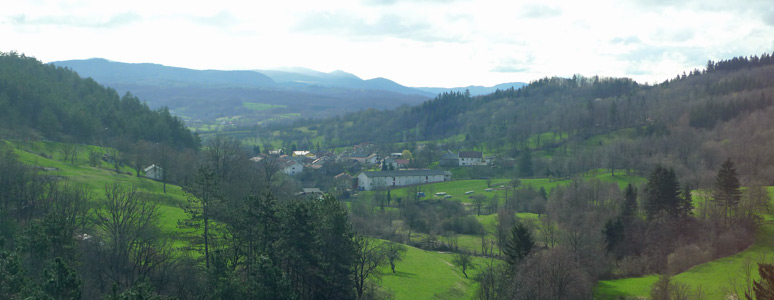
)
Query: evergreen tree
[
  {"x": 202, "y": 196},
  {"x": 630, "y": 202},
  {"x": 525, "y": 164},
  {"x": 614, "y": 234},
  {"x": 764, "y": 288},
  {"x": 726, "y": 188},
  {"x": 61, "y": 281},
  {"x": 519, "y": 245},
  {"x": 662, "y": 193}
]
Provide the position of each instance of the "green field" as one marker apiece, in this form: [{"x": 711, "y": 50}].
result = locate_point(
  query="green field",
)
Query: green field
[
  {"x": 713, "y": 277},
  {"x": 425, "y": 274},
  {"x": 95, "y": 179}
]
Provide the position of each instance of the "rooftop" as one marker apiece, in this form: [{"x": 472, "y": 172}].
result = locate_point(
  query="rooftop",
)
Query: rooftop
[{"x": 406, "y": 173}]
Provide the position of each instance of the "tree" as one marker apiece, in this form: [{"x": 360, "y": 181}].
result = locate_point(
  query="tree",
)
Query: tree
[
  {"x": 614, "y": 234},
  {"x": 369, "y": 257},
  {"x": 202, "y": 195},
  {"x": 395, "y": 253},
  {"x": 463, "y": 261},
  {"x": 630, "y": 202},
  {"x": 525, "y": 164},
  {"x": 519, "y": 245},
  {"x": 61, "y": 281},
  {"x": 129, "y": 220},
  {"x": 726, "y": 188},
  {"x": 764, "y": 288},
  {"x": 478, "y": 202},
  {"x": 662, "y": 193},
  {"x": 406, "y": 154}
]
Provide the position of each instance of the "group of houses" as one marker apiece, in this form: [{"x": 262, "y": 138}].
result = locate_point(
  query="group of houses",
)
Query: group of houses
[{"x": 394, "y": 168}]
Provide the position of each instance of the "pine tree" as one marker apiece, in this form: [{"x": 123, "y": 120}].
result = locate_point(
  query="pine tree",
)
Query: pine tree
[
  {"x": 519, "y": 245},
  {"x": 726, "y": 189},
  {"x": 630, "y": 202},
  {"x": 662, "y": 193}
]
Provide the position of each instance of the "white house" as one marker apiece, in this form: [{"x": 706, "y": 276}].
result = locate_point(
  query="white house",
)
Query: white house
[
  {"x": 471, "y": 158},
  {"x": 154, "y": 172},
  {"x": 292, "y": 167},
  {"x": 382, "y": 179}
]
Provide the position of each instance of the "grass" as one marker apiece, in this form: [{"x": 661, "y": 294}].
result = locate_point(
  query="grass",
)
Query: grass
[
  {"x": 95, "y": 179},
  {"x": 713, "y": 277},
  {"x": 425, "y": 274}
]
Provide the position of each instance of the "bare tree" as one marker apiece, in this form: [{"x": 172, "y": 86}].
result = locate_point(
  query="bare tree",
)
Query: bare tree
[
  {"x": 371, "y": 254},
  {"x": 463, "y": 261},
  {"x": 129, "y": 221}
]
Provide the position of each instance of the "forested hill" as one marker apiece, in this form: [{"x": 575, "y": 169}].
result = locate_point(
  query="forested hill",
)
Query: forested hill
[
  {"x": 41, "y": 100},
  {"x": 692, "y": 121}
]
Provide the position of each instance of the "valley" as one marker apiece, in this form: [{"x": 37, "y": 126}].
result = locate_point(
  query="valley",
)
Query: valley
[{"x": 608, "y": 184}]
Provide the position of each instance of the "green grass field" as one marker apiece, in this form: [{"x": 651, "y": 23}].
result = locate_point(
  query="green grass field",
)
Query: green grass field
[
  {"x": 425, "y": 274},
  {"x": 713, "y": 277},
  {"x": 95, "y": 179}
]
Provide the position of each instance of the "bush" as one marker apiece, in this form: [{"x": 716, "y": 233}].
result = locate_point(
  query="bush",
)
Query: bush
[
  {"x": 686, "y": 257},
  {"x": 463, "y": 225},
  {"x": 732, "y": 241},
  {"x": 633, "y": 266}
]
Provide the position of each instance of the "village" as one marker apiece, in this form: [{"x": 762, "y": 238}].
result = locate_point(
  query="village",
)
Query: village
[{"x": 365, "y": 168}]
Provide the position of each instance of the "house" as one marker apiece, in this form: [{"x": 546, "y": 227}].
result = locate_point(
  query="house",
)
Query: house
[
  {"x": 471, "y": 158},
  {"x": 389, "y": 164},
  {"x": 383, "y": 179},
  {"x": 308, "y": 154},
  {"x": 343, "y": 181},
  {"x": 277, "y": 152},
  {"x": 449, "y": 160},
  {"x": 402, "y": 163},
  {"x": 291, "y": 167},
  {"x": 154, "y": 172},
  {"x": 364, "y": 158},
  {"x": 311, "y": 192}
]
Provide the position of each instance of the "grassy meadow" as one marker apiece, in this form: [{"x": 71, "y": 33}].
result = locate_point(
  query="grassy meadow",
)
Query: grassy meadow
[{"x": 427, "y": 274}]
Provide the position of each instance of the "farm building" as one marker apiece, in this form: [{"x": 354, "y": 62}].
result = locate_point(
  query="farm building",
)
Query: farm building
[
  {"x": 382, "y": 179},
  {"x": 471, "y": 158},
  {"x": 154, "y": 172}
]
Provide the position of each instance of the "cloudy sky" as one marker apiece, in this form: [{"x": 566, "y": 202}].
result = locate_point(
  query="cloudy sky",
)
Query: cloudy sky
[{"x": 416, "y": 43}]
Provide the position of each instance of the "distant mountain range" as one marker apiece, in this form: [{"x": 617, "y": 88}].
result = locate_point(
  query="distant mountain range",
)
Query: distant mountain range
[{"x": 206, "y": 95}]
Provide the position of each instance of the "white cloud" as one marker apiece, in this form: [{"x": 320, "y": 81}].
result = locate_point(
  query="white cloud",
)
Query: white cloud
[{"x": 419, "y": 43}]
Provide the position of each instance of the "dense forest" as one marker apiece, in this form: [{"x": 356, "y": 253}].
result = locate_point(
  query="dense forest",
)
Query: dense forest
[{"x": 44, "y": 101}]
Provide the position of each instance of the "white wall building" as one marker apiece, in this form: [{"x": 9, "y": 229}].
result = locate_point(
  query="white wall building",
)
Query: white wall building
[
  {"x": 154, "y": 172},
  {"x": 383, "y": 179},
  {"x": 471, "y": 158},
  {"x": 292, "y": 167}
]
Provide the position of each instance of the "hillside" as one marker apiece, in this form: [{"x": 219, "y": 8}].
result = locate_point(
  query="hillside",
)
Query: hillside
[
  {"x": 39, "y": 100},
  {"x": 691, "y": 122}
]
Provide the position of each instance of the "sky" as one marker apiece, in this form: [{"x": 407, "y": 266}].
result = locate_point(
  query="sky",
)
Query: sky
[{"x": 438, "y": 43}]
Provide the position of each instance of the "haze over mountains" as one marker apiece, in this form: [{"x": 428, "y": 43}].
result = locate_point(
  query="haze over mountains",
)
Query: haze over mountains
[{"x": 210, "y": 94}]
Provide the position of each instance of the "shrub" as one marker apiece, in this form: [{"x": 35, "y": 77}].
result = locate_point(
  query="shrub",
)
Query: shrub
[{"x": 686, "y": 257}]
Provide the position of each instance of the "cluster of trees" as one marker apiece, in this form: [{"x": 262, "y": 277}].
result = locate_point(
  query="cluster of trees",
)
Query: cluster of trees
[
  {"x": 42, "y": 100},
  {"x": 247, "y": 237},
  {"x": 594, "y": 230}
]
